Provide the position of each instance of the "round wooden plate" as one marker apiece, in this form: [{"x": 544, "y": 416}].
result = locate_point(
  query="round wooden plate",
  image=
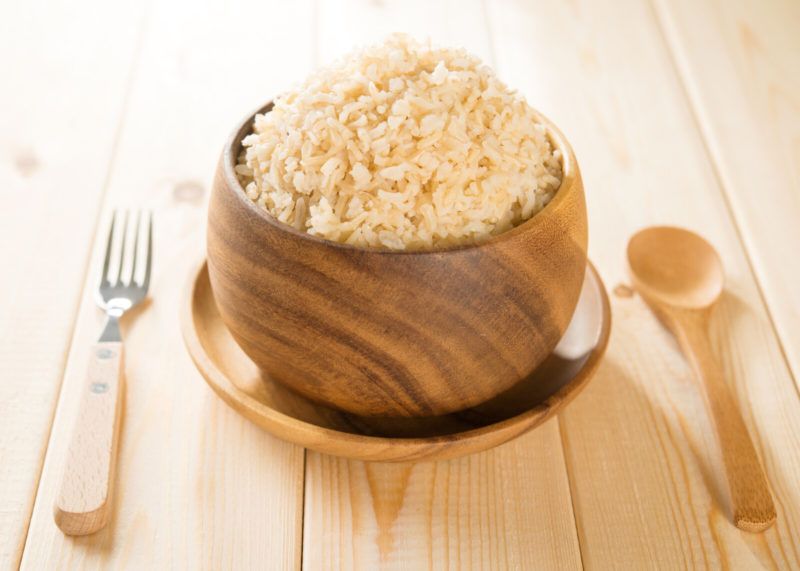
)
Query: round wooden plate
[{"x": 287, "y": 415}]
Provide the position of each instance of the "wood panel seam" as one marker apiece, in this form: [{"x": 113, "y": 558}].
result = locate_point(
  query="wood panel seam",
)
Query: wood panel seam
[
  {"x": 303, "y": 508},
  {"x": 706, "y": 137},
  {"x": 489, "y": 33},
  {"x": 563, "y": 438},
  {"x": 315, "y": 30}
]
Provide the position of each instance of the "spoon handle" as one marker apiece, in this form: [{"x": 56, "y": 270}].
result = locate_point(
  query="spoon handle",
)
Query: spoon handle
[{"x": 753, "y": 507}]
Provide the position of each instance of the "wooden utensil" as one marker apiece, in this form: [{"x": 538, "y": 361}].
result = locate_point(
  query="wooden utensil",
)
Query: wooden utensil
[
  {"x": 83, "y": 503},
  {"x": 388, "y": 333},
  {"x": 290, "y": 416},
  {"x": 680, "y": 276}
]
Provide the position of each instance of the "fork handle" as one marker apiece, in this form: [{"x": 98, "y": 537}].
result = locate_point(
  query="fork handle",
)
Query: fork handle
[{"x": 83, "y": 504}]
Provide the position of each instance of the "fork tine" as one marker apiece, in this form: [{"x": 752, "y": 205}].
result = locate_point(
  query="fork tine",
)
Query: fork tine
[
  {"x": 135, "y": 248},
  {"x": 122, "y": 248},
  {"x": 149, "y": 253},
  {"x": 107, "y": 260}
]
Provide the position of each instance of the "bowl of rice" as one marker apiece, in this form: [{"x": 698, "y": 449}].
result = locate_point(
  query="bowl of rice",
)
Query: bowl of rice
[{"x": 400, "y": 235}]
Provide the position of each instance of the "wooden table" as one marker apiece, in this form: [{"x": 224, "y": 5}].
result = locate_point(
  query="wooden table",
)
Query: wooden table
[{"x": 680, "y": 111}]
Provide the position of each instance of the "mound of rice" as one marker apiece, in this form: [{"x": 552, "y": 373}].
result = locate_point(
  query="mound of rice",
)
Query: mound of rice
[{"x": 401, "y": 146}]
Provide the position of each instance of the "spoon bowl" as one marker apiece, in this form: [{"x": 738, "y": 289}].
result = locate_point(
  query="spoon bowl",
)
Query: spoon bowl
[{"x": 676, "y": 266}]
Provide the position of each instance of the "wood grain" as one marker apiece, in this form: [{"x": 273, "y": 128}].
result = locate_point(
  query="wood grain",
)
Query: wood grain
[
  {"x": 739, "y": 66},
  {"x": 395, "y": 334},
  {"x": 494, "y": 510},
  {"x": 84, "y": 501},
  {"x": 200, "y": 487},
  {"x": 291, "y": 417},
  {"x": 54, "y": 159},
  {"x": 645, "y": 471}
]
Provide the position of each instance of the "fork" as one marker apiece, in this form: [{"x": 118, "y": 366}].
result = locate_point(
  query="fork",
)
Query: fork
[{"x": 83, "y": 503}]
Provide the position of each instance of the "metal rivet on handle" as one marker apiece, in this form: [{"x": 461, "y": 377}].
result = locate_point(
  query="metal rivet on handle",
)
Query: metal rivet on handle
[
  {"x": 98, "y": 388},
  {"x": 105, "y": 353}
]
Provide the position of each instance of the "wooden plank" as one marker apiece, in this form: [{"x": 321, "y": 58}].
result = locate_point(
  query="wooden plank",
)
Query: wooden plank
[
  {"x": 740, "y": 65},
  {"x": 357, "y": 23},
  {"x": 507, "y": 508},
  {"x": 57, "y": 137},
  {"x": 198, "y": 486},
  {"x": 503, "y": 509},
  {"x": 645, "y": 472}
]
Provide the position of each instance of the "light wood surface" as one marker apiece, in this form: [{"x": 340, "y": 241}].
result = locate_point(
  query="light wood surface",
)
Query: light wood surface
[
  {"x": 395, "y": 334},
  {"x": 507, "y": 508},
  {"x": 645, "y": 471},
  {"x": 681, "y": 278},
  {"x": 738, "y": 63},
  {"x": 53, "y": 169},
  {"x": 199, "y": 486},
  {"x": 679, "y": 112},
  {"x": 83, "y": 503}
]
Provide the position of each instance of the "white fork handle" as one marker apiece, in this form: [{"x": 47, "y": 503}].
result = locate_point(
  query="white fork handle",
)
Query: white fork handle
[{"x": 83, "y": 504}]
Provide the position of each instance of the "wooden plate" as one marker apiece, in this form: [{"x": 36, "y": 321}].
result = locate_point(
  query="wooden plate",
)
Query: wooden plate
[{"x": 287, "y": 415}]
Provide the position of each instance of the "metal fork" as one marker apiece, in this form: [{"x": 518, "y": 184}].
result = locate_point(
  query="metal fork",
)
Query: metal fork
[{"x": 83, "y": 504}]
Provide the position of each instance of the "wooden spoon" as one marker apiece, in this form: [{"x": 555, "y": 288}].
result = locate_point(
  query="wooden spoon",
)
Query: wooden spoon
[{"x": 680, "y": 277}]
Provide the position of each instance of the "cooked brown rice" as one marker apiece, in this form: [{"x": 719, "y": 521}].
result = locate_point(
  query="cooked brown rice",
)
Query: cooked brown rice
[{"x": 401, "y": 146}]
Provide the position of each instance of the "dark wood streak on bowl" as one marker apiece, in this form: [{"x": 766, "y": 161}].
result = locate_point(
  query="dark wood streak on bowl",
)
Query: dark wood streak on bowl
[{"x": 287, "y": 415}]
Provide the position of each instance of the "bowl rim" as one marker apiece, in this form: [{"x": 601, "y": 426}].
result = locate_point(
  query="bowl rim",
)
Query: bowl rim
[{"x": 569, "y": 181}]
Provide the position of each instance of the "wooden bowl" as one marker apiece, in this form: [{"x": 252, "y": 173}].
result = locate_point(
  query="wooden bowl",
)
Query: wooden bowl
[{"x": 388, "y": 333}]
